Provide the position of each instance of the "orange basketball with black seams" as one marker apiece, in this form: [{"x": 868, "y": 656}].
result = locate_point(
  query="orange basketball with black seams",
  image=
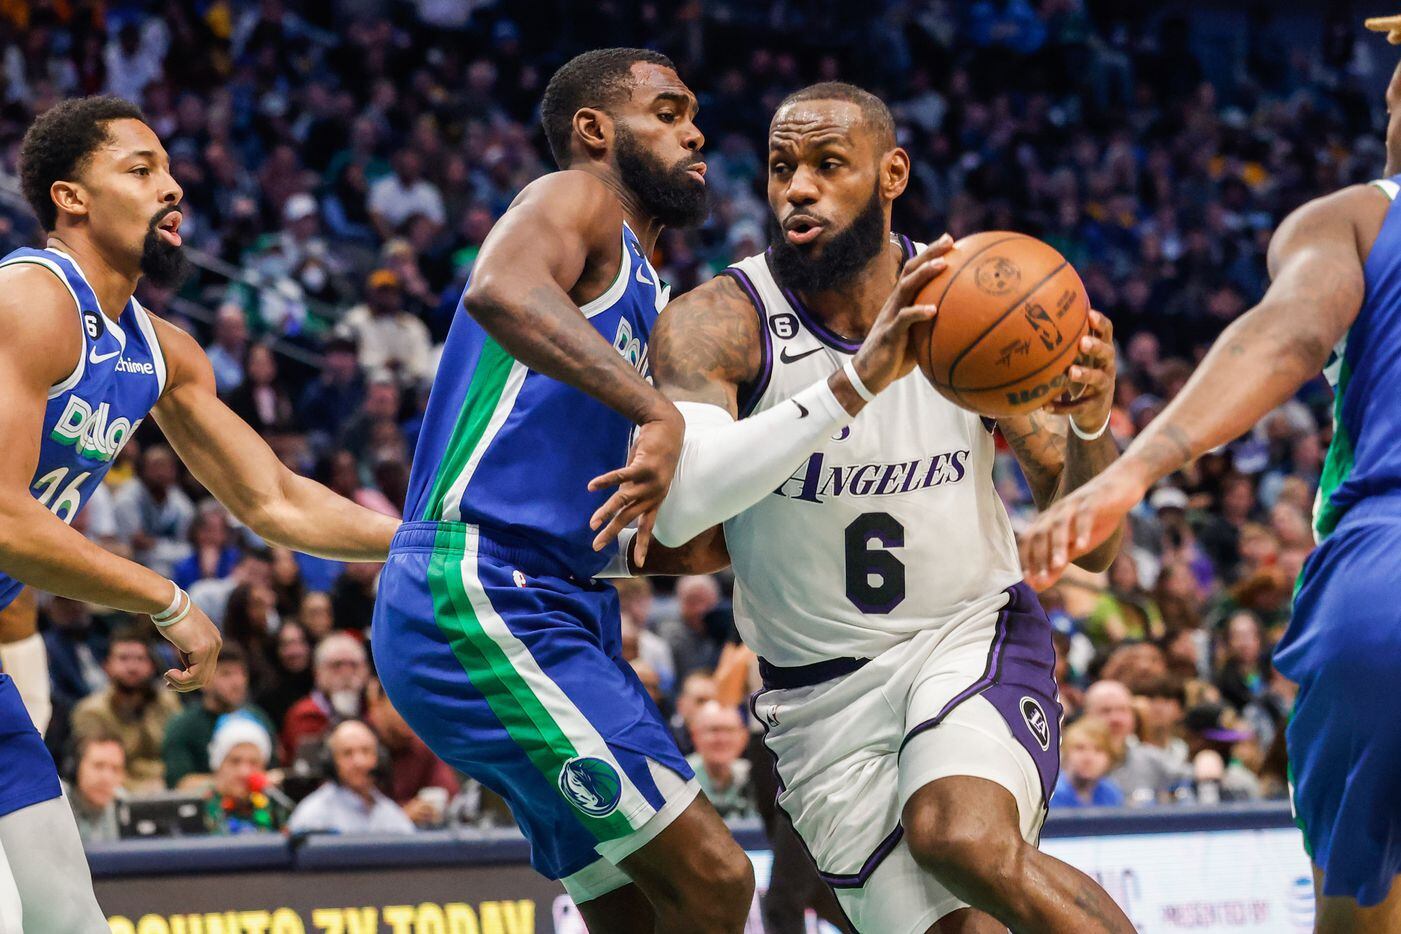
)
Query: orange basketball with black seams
[{"x": 1011, "y": 315}]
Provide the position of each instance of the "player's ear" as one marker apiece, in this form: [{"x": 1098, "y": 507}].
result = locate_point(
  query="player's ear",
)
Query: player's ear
[
  {"x": 69, "y": 197},
  {"x": 593, "y": 130},
  {"x": 894, "y": 173}
]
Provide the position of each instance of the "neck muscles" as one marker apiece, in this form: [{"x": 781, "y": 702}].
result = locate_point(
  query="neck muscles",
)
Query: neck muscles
[{"x": 851, "y": 308}]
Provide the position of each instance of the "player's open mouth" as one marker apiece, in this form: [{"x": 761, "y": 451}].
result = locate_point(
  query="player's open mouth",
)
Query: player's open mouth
[
  {"x": 169, "y": 228},
  {"x": 801, "y": 230}
]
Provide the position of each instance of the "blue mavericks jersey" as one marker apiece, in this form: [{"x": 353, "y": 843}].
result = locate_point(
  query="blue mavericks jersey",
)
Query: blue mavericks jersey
[
  {"x": 117, "y": 379},
  {"x": 512, "y": 451}
]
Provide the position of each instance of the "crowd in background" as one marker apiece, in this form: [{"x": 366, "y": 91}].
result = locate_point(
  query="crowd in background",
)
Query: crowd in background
[{"x": 344, "y": 161}]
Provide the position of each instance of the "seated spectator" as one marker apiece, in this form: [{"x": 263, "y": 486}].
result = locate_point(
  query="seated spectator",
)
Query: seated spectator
[
  {"x": 1087, "y": 755},
  {"x": 317, "y": 615},
  {"x": 132, "y": 708},
  {"x": 393, "y": 343},
  {"x": 329, "y": 400},
  {"x": 75, "y": 650},
  {"x": 250, "y": 619},
  {"x": 187, "y": 736},
  {"x": 719, "y": 736},
  {"x": 1125, "y": 610},
  {"x": 229, "y": 348},
  {"x": 1162, "y": 704},
  {"x": 262, "y": 401},
  {"x": 412, "y": 765},
  {"x": 153, "y": 514},
  {"x": 215, "y": 553},
  {"x": 693, "y": 646},
  {"x": 1243, "y": 674},
  {"x": 238, "y": 802},
  {"x": 287, "y": 585},
  {"x": 349, "y": 802},
  {"x": 1143, "y": 774},
  {"x": 643, "y": 645},
  {"x": 341, "y": 672},
  {"x": 98, "y": 775},
  {"x": 212, "y": 594},
  {"x": 353, "y": 597},
  {"x": 1213, "y": 738},
  {"x": 404, "y": 193},
  {"x": 291, "y": 678},
  {"x": 698, "y": 688}
]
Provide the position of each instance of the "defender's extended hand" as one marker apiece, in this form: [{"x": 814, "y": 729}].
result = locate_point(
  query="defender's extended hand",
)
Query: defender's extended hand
[
  {"x": 642, "y": 484},
  {"x": 1076, "y": 525}
]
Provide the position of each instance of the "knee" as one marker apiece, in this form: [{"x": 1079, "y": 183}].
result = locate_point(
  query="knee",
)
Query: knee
[
  {"x": 720, "y": 887},
  {"x": 963, "y": 851}
]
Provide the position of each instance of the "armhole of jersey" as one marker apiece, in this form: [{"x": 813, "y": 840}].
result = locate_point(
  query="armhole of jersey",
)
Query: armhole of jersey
[
  {"x": 143, "y": 321},
  {"x": 1388, "y": 187},
  {"x": 72, "y": 379},
  {"x": 616, "y": 290},
  {"x": 750, "y": 393}
]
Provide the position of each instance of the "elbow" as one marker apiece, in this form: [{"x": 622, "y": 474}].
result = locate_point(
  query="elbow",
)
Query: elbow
[{"x": 484, "y": 298}]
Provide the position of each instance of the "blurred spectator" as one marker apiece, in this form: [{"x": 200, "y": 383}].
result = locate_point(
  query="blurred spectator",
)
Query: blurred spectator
[
  {"x": 317, "y": 615},
  {"x": 418, "y": 781},
  {"x": 1162, "y": 704},
  {"x": 250, "y": 619},
  {"x": 403, "y": 194},
  {"x": 287, "y": 584},
  {"x": 229, "y": 348},
  {"x": 1213, "y": 743},
  {"x": 238, "y": 801},
  {"x": 353, "y": 597},
  {"x": 693, "y": 646},
  {"x": 330, "y": 399},
  {"x": 392, "y": 341},
  {"x": 98, "y": 775},
  {"x": 254, "y": 569},
  {"x": 697, "y": 688},
  {"x": 1243, "y": 674},
  {"x": 349, "y": 802},
  {"x": 261, "y": 400},
  {"x": 189, "y": 732},
  {"x": 153, "y": 514},
  {"x": 650, "y": 649},
  {"x": 214, "y": 555},
  {"x": 341, "y": 672},
  {"x": 719, "y": 737},
  {"x": 74, "y": 649},
  {"x": 290, "y": 678},
  {"x": 1087, "y": 755},
  {"x": 130, "y": 708},
  {"x": 1125, "y": 610},
  {"x": 1143, "y": 774}
]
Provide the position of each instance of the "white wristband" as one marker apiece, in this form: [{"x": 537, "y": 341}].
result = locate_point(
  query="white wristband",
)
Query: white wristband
[
  {"x": 860, "y": 387},
  {"x": 1090, "y": 436},
  {"x": 620, "y": 565},
  {"x": 179, "y": 608}
]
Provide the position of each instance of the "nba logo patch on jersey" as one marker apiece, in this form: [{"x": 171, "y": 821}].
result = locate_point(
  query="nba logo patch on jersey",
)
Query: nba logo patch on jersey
[
  {"x": 591, "y": 785},
  {"x": 1036, "y": 721}
]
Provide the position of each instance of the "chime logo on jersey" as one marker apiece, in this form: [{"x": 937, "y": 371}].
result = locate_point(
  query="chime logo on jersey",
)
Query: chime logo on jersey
[
  {"x": 591, "y": 785},
  {"x": 91, "y": 431},
  {"x": 817, "y": 479}
]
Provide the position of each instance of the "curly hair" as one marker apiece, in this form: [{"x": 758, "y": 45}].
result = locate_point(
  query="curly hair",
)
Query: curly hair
[
  {"x": 60, "y": 141},
  {"x": 594, "y": 79}
]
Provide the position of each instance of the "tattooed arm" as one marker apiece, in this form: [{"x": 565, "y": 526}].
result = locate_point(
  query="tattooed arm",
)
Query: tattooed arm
[
  {"x": 1316, "y": 261},
  {"x": 557, "y": 247},
  {"x": 1054, "y": 459}
]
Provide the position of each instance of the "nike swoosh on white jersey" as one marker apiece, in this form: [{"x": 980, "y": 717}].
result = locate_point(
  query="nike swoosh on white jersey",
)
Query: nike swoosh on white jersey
[{"x": 94, "y": 357}]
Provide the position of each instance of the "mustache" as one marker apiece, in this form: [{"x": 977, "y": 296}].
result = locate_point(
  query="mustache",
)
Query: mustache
[{"x": 162, "y": 214}]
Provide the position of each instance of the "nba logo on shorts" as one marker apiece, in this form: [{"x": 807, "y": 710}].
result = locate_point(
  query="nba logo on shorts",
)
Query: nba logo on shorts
[
  {"x": 1035, "y": 719},
  {"x": 591, "y": 785}
]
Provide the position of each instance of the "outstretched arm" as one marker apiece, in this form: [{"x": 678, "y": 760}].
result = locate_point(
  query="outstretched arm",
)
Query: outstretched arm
[
  {"x": 526, "y": 289},
  {"x": 1057, "y": 461},
  {"x": 1261, "y": 360},
  {"x": 237, "y": 466}
]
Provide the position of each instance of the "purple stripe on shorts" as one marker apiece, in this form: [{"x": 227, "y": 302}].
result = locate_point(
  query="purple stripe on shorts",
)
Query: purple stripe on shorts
[
  {"x": 1019, "y": 682},
  {"x": 751, "y": 393},
  {"x": 859, "y": 878}
]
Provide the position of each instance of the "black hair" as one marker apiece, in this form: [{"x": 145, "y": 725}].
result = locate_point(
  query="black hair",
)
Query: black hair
[
  {"x": 60, "y": 141},
  {"x": 599, "y": 78},
  {"x": 130, "y": 632},
  {"x": 873, "y": 109}
]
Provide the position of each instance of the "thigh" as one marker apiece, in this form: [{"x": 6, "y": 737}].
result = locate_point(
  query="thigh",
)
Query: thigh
[
  {"x": 53, "y": 879},
  {"x": 11, "y": 909},
  {"x": 505, "y": 676}
]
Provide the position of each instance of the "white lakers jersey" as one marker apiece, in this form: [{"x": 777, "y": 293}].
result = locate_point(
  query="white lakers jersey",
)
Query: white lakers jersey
[{"x": 893, "y": 526}]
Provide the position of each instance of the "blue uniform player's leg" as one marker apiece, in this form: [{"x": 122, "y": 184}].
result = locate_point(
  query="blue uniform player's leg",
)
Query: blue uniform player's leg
[
  {"x": 37, "y": 831},
  {"x": 1344, "y": 650},
  {"x": 516, "y": 677}
]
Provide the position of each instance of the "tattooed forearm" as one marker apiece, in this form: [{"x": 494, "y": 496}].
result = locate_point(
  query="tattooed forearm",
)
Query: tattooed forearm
[
  {"x": 707, "y": 344},
  {"x": 1083, "y": 462},
  {"x": 1039, "y": 442}
]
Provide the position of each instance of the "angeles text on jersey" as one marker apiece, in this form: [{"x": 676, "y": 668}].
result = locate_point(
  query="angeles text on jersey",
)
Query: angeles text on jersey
[{"x": 818, "y": 479}]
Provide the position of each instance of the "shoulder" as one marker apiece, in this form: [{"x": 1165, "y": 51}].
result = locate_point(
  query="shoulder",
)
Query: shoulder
[
  {"x": 1345, "y": 212},
  {"x": 719, "y": 309},
  {"x": 37, "y": 311},
  {"x": 572, "y": 193}
]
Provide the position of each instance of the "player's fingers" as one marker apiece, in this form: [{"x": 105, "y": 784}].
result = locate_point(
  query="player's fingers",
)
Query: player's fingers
[
  {"x": 1060, "y": 545},
  {"x": 182, "y": 681},
  {"x": 644, "y": 536},
  {"x": 1036, "y": 550},
  {"x": 612, "y": 478},
  {"x": 1095, "y": 352},
  {"x": 914, "y": 279},
  {"x": 611, "y": 507},
  {"x": 1091, "y": 379},
  {"x": 913, "y": 314},
  {"x": 1101, "y": 326},
  {"x": 1084, "y": 526}
]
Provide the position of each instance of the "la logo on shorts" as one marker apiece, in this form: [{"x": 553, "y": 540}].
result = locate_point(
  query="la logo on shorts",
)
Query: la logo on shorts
[
  {"x": 1035, "y": 719},
  {"x": 591, "y": 785}
]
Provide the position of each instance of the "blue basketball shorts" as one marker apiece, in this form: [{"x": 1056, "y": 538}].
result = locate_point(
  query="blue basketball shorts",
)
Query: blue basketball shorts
[
  {"x": 1343, "y": 648},
  {"x": 512, "y": 671},
  {"x": 27, "y": 772}
]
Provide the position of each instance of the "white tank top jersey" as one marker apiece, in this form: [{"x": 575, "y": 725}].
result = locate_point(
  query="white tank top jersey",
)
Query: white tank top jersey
[{"x": 892, "y": 527}]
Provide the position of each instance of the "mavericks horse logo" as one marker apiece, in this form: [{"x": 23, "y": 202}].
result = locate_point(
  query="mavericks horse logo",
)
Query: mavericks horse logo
[{"x": 591, "y": 785}]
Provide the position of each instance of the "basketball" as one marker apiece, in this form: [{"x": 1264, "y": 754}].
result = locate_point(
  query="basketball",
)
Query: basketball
[{"x": 1011, "y": 315}]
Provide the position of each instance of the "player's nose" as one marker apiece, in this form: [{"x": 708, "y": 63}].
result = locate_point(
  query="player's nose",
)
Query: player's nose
[
  {"x": 802, "y": 189},
  {"x": 694, "y": 138}
]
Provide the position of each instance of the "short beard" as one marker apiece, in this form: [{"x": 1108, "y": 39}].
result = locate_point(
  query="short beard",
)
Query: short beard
[
  {"x": 844, "y": 256},
  {"x": 669, "y": 195},
  {"x": 164, "y": 265}
]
